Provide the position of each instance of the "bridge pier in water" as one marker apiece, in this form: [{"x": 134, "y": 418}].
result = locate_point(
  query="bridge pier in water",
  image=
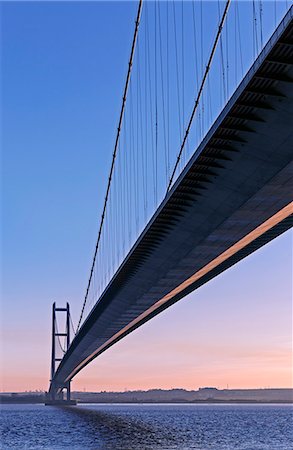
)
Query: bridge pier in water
[{"x": 55, "y": 395}]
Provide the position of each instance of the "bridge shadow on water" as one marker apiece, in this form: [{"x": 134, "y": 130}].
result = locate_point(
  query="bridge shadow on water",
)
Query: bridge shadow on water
[
  {"x": 122, "y": 428},
  {"x": 158, "y": 426}
]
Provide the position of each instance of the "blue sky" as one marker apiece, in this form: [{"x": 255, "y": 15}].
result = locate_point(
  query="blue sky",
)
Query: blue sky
[{"x": 63, "y": 71}]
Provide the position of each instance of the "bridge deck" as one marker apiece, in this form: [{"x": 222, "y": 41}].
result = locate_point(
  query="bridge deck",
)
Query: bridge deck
[{"x": 230, "y": 200}]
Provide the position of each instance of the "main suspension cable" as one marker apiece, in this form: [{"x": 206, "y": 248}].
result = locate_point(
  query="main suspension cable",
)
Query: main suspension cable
[
  {"x": 114, "y": 155},
  {"x": 199, "y": 92}
]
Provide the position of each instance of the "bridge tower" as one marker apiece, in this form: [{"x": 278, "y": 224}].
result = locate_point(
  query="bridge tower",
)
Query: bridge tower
[{"x": 56, "y": 392}]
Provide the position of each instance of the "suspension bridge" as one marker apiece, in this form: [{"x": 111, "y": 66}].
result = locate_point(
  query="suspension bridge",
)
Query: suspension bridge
[{"x": 201, "y": 172}]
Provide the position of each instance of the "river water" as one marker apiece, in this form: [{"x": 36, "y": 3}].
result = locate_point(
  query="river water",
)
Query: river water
[{"x": 155, "y": 426}]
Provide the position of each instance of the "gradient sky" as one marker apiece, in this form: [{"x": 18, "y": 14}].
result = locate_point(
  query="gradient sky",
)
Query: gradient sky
[{"x": 62, "y": 75}]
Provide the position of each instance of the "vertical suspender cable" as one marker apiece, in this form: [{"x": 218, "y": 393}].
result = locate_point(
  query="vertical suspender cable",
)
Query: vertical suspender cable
[
  {"x": 260, "y": 21},
  {"x": 222, "y": 62},
  {"x": 177, "y": 70},
  {"x": 200, "y": 91},
  {"x": 71, "y": 321},
  {"x": 114, "y": 155},
  {"x": 162, "y": 90}
]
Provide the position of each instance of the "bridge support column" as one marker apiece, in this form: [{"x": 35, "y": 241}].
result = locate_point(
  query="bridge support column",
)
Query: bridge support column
[
  {"x": 68, "y": 392},
  {"x": 55, "y": 395}
]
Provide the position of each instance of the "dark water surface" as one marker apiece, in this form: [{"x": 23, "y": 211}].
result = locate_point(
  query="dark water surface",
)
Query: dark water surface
[{"x": 156, "y": 426}]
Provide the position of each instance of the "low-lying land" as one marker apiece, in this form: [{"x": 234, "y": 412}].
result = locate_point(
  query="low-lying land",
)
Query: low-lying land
[{"x": 202, "y": 395}]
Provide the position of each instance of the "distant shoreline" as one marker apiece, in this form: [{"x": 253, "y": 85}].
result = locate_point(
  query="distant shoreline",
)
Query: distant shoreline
[
  {"x": 183, "y": 402},
  {"x": 163, "y": 396},
  {"x": 211, "y": 402}
]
